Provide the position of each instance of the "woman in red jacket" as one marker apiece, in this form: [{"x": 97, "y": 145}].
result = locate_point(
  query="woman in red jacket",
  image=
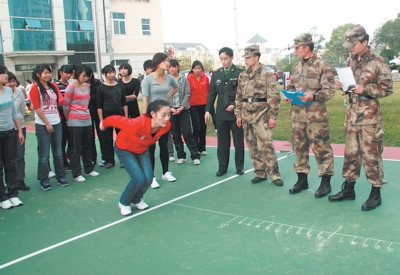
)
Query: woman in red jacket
[
  {"x": 199, "y": 87},
  {"x": 132, "y": 148}
]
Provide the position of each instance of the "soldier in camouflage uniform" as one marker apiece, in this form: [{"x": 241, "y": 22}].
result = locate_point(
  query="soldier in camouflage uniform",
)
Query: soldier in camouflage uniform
[
  {"x": 310, "y": 125},
  {"x": 364, "y": 133},
  {"x": 257, "y": 106}
]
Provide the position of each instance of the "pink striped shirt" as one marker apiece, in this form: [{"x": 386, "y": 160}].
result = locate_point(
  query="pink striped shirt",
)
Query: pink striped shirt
[{"x": 76, "y": 100}]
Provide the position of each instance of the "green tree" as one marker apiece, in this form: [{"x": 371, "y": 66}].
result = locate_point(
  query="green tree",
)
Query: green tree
[
  {"x": 185, "y": 63},
  {"x": 337, "y": 54},
  {"x": 318, "y": 39},
  {"x": 284, "y": 64},
  {"x": 388, "y": 36}
]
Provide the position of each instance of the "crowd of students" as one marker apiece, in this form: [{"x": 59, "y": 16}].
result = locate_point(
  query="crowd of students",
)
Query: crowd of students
[{"x": 72, "y": 109}]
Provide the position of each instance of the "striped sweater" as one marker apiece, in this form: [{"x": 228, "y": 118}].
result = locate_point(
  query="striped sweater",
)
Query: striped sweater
[{"x": 76, "y": 101}]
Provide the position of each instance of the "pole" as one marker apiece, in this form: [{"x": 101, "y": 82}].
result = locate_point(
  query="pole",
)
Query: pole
[
  {"x": 236, "y": 32},
  {"x": 96, "y": 38}
]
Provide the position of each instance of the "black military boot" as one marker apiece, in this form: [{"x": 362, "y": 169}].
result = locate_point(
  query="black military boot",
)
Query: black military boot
[
  {"x": 347, "y": 192},
  {"x": 301, "y": 184},
  {"x": 325, "y": 187},
  {"x": 374, "y": 199}
]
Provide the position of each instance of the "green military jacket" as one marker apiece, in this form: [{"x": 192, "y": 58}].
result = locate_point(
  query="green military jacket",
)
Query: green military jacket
[
  {"x": 314, "y": 76},
  {"x": 224, "y": 86},
  {"x": 374, "y": 75},
  {"x": 261, "y": 84}
]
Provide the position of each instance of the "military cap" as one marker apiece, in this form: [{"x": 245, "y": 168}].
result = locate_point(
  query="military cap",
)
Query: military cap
[
  {"x": 251, "y": 50},
  {"x": 303, "y": 39},
  {"x": 354, "y": 34}
]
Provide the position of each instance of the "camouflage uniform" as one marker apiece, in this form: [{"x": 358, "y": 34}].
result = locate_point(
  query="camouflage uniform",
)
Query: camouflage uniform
[
  {"x": 257, "y": 101},
  {"x": 310, "y": 125},
  {"x": 364, "y": 132}
]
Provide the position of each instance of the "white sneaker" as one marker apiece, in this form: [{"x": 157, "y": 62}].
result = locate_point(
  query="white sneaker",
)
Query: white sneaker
[
  {"x": 52, "y": 174},
  {"x": 124, "y": 210},
  {"x": 141, "y": 205},
  {"x": 168, "y": 177},
  {"x": 171, "y": 159},
  {"x": 154, "y": 184},
  {"x": 203, "y": 153},
  {"x": 102, "y": 163},
  {"x": 80, "y": 179},
  {"x": 181, "y": 161},
  {"x": 93, "y": 174},
  {"x": 7, "y": 204},
  {"x": 16, "y": 201},
  {"x": 196, "y": 162}
]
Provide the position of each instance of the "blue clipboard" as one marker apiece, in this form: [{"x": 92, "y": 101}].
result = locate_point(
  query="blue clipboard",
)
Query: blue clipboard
[{"x": 292, "y": 94}]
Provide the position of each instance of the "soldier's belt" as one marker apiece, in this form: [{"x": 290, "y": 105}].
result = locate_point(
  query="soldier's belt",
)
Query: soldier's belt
[
  {"x": 359, "y": 98},
  {"x": 252, "y": 99}
]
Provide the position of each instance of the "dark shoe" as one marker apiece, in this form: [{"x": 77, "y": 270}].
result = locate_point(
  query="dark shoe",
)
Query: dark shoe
[
  {"x": 240, "y": 172},
  {"x": 63, "y": 182},
  {"x": 45, "y": 186},
  {"x": 257, "y": 180},
  {"x": 347, "y": 192},
  {"x": 22, "y": 186},
  {"x": 110, "y": 165},
  {"x": 324, "y": 188},
  {"x": 300, "y": 185},
  {"x": 220, "y": 173},
  {"x": 373, "y": 201},
  {"x": 278, "y": 182},
  {"x": 121, "y": 166},
  {"x": 68, "y": 167}
]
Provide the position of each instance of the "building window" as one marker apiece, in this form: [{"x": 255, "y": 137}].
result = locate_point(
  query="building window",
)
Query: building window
[
  {"x": 33, "y": 24},
  {"x": 118, "y": 23},
  {"x": 86, "y": 26},
  {"x": 146, "y": 26}
]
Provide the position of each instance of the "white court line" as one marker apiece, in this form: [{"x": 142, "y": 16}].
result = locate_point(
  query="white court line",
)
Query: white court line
[{"x": 117, "y": 222}]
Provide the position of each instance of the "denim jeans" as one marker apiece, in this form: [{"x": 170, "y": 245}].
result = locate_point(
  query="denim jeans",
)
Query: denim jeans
[
  {"x": 140, "y": 171},
  {"x": 7, "y": 160},
  {"x": 20, "y": 157},
  {"x": 45, "y": 140},
  {"x": 80, "y": 139}
]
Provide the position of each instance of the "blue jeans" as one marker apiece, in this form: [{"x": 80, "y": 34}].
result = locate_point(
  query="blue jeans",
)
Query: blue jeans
[
  {"x": 45, "y": 139},
  {"x": 140, "y": 171},
  {"x": 7, "y": 161}
]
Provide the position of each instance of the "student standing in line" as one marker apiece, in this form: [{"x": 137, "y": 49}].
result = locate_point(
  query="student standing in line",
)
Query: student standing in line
[
  {"x": 111, "y": 100},
  {"x": 19, "y": 102},
  {"x": 94, "y": 84},
  {"x": 131, "y": 87},
  {"x": 132, "y": 148},
  {"x": 8, "y": 120},
  {"x": 199, "y": 88},
  {"x": 46, "y": 98},
  {"x": 76, "y": 111},
  {"x": 157, "y": 85}
]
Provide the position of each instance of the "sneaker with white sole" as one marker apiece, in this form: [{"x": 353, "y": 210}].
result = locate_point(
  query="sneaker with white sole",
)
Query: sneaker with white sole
[
  {"x": 93, "y": 174},
  {"x": 16, "y": 201},
  {"x": 203, "y": 153},
  {"x": 7, "y": 204},
  {"x": 181, "y": 161},
  {"x": 171, "y": 159},
  {"x": 196, "y": 162},
  {"x": 102, "y": 163},
  {"x": 52, "y": 174},
  {"x": 168, "y": 177},
  {"x": 141, "y": 205},
  {"x": 79, "y": 179},
  {"x": 124, "y": 210},
  {"x": 154, "y": 184}
]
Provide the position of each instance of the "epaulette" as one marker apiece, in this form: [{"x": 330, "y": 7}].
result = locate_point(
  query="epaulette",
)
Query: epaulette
[{"x": 219, "y": 69}]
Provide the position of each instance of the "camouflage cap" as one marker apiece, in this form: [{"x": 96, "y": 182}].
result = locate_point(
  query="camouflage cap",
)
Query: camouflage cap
[
  {"x": 251, "y": 50},
  {"x": 303, "y": 39},
  {"x": 353, "y": 35}
]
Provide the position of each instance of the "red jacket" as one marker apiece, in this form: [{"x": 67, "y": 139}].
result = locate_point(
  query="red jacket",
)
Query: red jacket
[
  {"x": 135, "y": 135},
  {"x": 198, "y": 89}
]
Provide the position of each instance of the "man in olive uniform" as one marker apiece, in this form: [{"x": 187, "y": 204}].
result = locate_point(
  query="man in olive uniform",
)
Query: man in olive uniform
[
  {"x": 224, "y": 83},
  {"x": 257, "y": 106},
  {"x": 364, "y": 132},
  {"x": 310, "y": 125}
]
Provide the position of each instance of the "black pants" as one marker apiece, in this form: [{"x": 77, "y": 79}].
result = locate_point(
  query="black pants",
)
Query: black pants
[
  {"x": 199, "y": 126},
  {"x": 7, "y": 161},
  {"x": 224, "y": 129},
  {"x": 64, "y": 141},
  {"x": 80, "y": 139},
  {"x": 182, "y": 125},
  {"x": 107, "y": 144},
  {"x": 162, "y": 142},
  {"x": 95, "y": 126}
]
